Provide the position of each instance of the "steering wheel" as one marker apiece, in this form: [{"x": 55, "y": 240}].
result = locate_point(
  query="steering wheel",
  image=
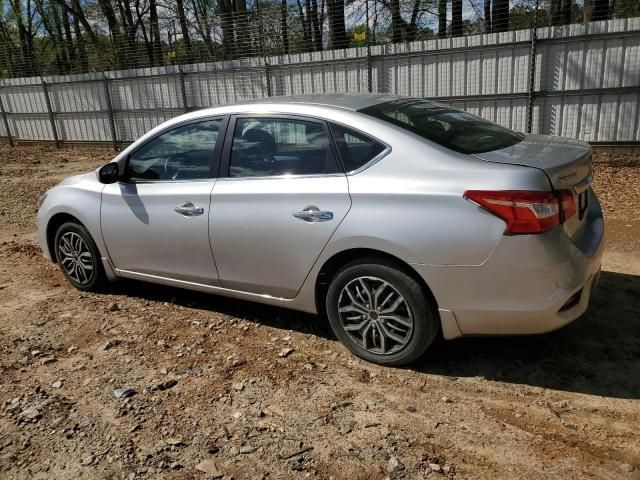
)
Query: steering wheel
[{"x": 172, "y": 172}]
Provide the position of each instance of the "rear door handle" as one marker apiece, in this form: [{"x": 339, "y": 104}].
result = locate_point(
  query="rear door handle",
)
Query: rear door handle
[
  {"x": 188, "y": 209},
  {"x": 313, "y": 214}
]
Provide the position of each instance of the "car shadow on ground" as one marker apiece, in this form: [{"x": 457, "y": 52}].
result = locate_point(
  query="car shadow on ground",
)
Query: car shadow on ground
[{"x": 599, "y": 354}]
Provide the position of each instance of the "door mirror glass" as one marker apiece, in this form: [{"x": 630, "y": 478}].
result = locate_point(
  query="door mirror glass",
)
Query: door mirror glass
[{"x": 108, "y": 173}]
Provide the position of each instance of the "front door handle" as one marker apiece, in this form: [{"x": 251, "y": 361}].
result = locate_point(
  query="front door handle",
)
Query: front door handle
[
  {"x": 188, "y": 209},
  {"x": 313, "y": 214}
]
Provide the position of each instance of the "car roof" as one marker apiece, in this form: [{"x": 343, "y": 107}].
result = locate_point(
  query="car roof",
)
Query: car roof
[{"x": 339, "y": 100}]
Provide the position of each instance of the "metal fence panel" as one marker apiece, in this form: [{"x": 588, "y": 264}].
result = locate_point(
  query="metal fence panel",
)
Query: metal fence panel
[{"x": 586, "y": 84}]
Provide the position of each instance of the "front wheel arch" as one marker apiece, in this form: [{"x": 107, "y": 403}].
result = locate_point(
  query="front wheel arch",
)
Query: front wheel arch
[{"x": 55, "y": 222}]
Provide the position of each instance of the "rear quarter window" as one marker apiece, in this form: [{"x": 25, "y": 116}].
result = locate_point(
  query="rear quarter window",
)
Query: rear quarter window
[
  {"x": 356, "y": 149},
  {"x": 455, "y": 129}
]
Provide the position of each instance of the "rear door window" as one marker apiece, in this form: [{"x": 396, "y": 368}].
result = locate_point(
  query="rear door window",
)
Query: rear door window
[
  {"x": 356, "y": 149},
  {"x": 446, "y": 126},
  {"x": 265, "y": 147}
]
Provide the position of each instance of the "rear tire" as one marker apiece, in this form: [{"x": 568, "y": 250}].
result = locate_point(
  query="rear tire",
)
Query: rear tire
[
  {"x": 381, "y": 313},
  {"x": 78, "y": 257}
]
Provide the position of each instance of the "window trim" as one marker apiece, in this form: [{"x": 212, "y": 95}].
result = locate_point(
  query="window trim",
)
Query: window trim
[
  {"x": 225, "y": 161},
  {"x": 387, "y": 150},
  {"x": 214, "y": 161}
]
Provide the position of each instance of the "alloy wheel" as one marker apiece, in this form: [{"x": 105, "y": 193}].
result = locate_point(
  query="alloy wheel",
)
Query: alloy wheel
[
  {"x": 375, "y": 315},
  {"x": 75, "y": 257}
]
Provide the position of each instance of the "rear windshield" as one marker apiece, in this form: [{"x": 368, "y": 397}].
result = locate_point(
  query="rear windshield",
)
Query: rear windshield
[{"x": 446, "y": 126}]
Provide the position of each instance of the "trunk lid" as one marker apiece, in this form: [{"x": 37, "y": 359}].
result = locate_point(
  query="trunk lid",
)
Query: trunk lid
[{"x": 566, "y": 162}]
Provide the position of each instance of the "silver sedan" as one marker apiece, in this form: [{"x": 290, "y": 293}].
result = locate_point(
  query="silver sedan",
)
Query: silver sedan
[{"x": 399, "y": 219}]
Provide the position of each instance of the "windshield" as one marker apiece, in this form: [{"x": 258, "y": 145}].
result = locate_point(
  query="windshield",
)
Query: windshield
[{"x": 446, "y": 126}]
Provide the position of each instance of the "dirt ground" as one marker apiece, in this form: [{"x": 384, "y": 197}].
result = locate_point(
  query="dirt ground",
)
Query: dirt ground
[{"x": 213, "y": 382}]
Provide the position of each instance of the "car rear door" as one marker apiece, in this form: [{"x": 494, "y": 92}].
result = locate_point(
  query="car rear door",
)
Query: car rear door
[
  {"x": 155, "y": 222},
  {"x": 280, "y": 196}
]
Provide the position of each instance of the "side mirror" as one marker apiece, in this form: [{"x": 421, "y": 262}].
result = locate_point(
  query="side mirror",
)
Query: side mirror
[{"x": 109, "y": 173}]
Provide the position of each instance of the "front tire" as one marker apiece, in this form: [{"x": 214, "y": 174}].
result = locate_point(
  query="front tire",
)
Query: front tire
[
  {"x": 78, "y": 257},
  {"x": 381, "y": 313}
]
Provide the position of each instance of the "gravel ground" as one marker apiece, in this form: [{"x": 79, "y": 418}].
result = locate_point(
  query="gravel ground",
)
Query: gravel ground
[{"x": 228, "y": 388}]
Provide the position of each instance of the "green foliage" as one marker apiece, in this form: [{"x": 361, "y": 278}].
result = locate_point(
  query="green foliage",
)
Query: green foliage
[{"x": 40, "y": 37}]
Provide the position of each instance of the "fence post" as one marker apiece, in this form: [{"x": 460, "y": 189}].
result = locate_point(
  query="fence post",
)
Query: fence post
[
  {"x": 532, "y": 69},
  {"x": 5, "y": 120},
  {"x": 112, "y": 124},
  {"x": 183, "y": 90},
  {"x": 52, "y": 119}
]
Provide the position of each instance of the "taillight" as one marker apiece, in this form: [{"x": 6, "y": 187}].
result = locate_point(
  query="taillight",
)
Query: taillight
[
  {"x": 525, "y": 212},
  {"x": 568, "y": 207}
]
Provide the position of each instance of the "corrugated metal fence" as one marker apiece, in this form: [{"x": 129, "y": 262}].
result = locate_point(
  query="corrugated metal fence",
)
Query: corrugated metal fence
[{"x": 580, "y": 81}]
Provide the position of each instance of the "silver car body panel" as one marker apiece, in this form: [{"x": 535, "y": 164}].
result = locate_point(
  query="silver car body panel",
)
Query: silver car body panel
[
  {"x": 144, "y": 233},
  {"x": 260, "y": 245},
  {"x": 407, "y": 203},
  {"x": 551, "y": 155}
]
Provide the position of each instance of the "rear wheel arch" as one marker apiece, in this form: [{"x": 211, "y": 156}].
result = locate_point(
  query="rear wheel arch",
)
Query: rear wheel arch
[
  {"x": 338, "y": 261},
  {"x": 55, "y": 222}
]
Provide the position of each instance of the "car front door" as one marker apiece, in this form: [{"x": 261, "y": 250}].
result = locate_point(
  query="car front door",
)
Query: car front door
[
  {"x": 155, "y": 222},
  {"x": 280, "y": 196}
]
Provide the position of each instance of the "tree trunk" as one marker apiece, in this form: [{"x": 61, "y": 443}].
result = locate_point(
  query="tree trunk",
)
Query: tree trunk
[
  {"x": 305, "y": 20},
  {"x": 456, "y": 18},
  {"x": 397, "y": 23},
  {"x": 599, "y": 10},
  {"x": 130, "y": 29},
  {"x": 412, "y": 30},
  {"x": 184, "y": 28},
  {"x": 243, "y": 32},
  {"x": 155, "y": 33},
  {"x": 203, "y": 26},
  {"x": 121, "y": 55},
  {"x": 500, "y": 16},
  {"x": 337, "y": 29},
  {"x": 68, "y": 38},
  {"x": 442, "y": 18},
  {"x": 566, "y": 12},
  {"x": 556, "y": 12},
  {"x": 147, "y": 37},
  {"x": 316, "y": 26},
  {"x": 79, "y": 17},
  {"x": 487, "y": 16},
  {"x": 83, "y": 59},
  {"x": 28, "y": 66},
  {"x": 228, "y": 31},
  {"x": 283, "y": 26},
  {"x": 58, "y": 22}
]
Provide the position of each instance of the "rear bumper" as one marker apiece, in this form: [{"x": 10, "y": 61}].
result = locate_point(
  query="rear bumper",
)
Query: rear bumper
[{"x": 525, "y": 284}]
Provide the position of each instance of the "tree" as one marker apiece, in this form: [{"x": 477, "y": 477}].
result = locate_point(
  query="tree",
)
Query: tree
[
  {"x": 337, "y": 29},
  {"x": 595, "y": 10},
  {"x": 156, "y": 50},
  {"x": 184, "y": 27},
  {"x": 500, "y": 16},
  {"x": 487, "y": 16},
  {"x": 442, "y": 18},
  {"x": 202, "y": 25},
  {"x": 283, "y": 26},
  {"x": 228, "y": 27},
  {"x": 397, "y": 23},
  {"x": 456, "y": 18}
]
